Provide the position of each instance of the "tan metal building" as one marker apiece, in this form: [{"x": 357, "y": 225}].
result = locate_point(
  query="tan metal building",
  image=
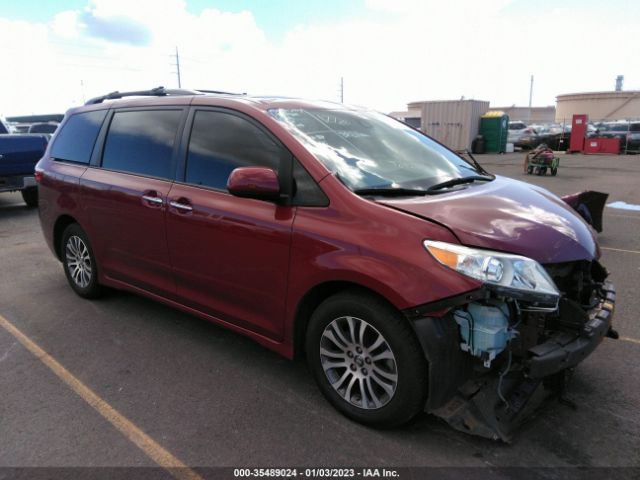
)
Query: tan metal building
[
  {"x": 452, "y": 122},
  {"x": 617, "y": 105},
  {"x": 412, "y": 117},
  {"x": 530, "y": 115}
]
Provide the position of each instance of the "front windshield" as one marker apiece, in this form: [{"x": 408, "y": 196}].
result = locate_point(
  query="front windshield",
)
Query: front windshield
[{"x": 369, "y": 150}]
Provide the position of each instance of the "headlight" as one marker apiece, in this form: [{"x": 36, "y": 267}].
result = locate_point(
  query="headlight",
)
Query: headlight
[{"x": 521, "y": 277}]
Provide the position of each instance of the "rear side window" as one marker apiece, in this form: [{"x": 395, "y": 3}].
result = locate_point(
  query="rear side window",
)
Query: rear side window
[
  {"x": 74, "y": 143},
  {"x": 141, "y": 142},
  {"x": 221, "y": 142}
]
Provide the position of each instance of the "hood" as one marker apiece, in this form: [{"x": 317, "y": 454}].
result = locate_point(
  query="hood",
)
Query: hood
[{"x": 509, "y": 216}]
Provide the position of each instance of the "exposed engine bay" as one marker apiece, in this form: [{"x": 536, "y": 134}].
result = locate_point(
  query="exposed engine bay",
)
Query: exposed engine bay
[{"x": 500, "y": 357}]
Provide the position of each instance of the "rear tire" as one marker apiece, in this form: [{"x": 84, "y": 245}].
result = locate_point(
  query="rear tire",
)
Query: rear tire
[
  {"x": 79, "y": 262},
  {"x": 367, "y": 360},
  {"x": 554, "y": 171},
  {"x": 30, "y": 196}
]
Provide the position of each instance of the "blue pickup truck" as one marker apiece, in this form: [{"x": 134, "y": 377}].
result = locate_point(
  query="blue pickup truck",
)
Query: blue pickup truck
[{"x": 18, "y": 157}]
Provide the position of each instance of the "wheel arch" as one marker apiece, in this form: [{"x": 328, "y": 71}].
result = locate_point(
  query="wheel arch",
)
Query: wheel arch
[
  {"x": 59, "y": 227},
  {"x": 314, "y": 297}
]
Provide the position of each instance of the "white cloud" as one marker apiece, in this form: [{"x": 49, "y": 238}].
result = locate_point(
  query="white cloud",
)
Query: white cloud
[
  {"x": 401, "y": 50},
  {"x": 460, "y": 8},
  {"x": 66, "y": 25}
]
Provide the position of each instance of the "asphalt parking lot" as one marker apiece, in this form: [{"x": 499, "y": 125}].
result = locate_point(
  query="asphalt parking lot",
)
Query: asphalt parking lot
[{"x": 210, "y": 397}]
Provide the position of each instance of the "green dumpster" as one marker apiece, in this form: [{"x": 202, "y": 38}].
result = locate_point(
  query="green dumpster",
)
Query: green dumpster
[{"x": 494, "y": 127}]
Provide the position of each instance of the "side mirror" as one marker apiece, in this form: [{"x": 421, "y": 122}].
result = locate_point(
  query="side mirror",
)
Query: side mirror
[{"x": 254, "y": 182}]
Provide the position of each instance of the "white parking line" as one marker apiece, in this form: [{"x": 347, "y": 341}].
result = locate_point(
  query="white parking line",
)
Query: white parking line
[
  {"x": 622, "y": 216},
  {"x": 619, "y": 250},
  {"x": 624, "y": 206},
  {"x": 144, "y": 442}
]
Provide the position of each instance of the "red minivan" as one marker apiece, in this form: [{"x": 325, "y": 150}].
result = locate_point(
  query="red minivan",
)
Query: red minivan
[{"x": 411, "y": 278}]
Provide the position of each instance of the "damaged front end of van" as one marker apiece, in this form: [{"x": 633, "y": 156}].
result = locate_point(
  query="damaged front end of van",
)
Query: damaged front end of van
[{"x": 496, "y": 352}]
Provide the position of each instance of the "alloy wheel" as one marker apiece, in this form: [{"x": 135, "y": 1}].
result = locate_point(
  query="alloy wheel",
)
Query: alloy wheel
[
  {"x": 358, "y": 362},
  {"x": 78, "y": 261}
]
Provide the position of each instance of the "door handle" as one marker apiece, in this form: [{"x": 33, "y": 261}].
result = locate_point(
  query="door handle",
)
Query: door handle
[
  {"x": 152, "y": 199},
  {"x": 181, "y": 206}
]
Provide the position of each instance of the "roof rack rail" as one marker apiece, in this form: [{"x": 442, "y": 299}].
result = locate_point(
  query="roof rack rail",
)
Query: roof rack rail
[
  {"x": 154, "y": 92},
  {"x": 219, "y": 92}
]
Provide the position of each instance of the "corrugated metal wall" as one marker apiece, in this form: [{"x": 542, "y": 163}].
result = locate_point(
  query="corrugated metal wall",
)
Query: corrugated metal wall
[{"x": 454, "y": 123}]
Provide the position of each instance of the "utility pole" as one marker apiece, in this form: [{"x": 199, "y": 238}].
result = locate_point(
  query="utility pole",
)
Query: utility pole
[
  {"x": 341, "y": 89},
  {"x": 177, "y": 65},
  {"x": 530, "y": 98}
]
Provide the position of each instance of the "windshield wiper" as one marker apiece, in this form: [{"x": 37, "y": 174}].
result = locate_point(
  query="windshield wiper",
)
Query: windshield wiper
[
  {"x": 479, "y": 167},
  {"x": 458, "y": 181},
  {"x": 405, "y": 192},
  {"x": 391, "y": 192}
]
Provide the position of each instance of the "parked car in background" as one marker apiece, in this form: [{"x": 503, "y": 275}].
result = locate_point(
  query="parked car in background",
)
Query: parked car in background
[
  {"x": 337, "y": 233},
  {"x": 19, "y": 154},
  {"x": 557, "y": 137},
  {"x": 633, "y": 138},
  {"x": 20, "y": 127},
  {"x": 515, "y": 130},
  {"x": 43, "y": 127},
  {"x": 528, "y": 138},
  {"x": 4, "y": 127},
  {"x": 618, "y": 130},
  {"x": 627, "y": 132}
]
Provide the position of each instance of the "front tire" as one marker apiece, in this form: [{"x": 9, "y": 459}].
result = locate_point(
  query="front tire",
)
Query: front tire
[
  {"x": 367, "y": 360},
  {"x": 79, "y": 262}
]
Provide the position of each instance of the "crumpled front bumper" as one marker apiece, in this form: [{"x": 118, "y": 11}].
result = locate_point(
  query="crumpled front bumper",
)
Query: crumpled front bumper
[
  {"x": 476, "y": 406},
  {"x": 565, "y": 350}
]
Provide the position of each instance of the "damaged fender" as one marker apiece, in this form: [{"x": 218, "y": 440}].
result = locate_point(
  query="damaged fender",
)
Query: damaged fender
[{"x": 590, "y": 205}]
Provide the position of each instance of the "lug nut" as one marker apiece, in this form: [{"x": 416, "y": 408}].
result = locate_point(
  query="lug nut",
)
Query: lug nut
[
  {"x": 358, "y": 349},
  {"x": 364, "y": 371},
  {"x": 368, "y": 360},
  {"x": 353, "y": 367},
  {"x": 350, "y": 354}
]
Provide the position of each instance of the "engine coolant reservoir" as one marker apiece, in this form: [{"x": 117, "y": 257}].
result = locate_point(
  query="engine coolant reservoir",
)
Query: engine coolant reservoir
[{"x": 484, "y": 330}]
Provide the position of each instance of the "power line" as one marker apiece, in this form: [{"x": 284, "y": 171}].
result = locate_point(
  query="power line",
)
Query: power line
[{"x": 177, "y": 65}]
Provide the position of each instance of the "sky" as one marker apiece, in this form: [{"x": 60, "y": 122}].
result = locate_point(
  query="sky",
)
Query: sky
[{"x": 59, "y": 53}]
